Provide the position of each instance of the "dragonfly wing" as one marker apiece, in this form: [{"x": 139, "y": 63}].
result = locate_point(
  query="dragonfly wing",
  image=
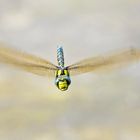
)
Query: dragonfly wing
[
  {"x": 105, "y": 63},
  {"x": 26, "y": 61}
]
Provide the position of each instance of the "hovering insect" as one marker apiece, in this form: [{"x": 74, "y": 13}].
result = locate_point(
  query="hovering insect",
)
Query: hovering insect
[{"x": 62, "y": 74}]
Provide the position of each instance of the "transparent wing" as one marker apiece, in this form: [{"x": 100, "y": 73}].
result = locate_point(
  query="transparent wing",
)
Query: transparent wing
[
  {"x": 26, "y": 62},
  {"x": 105, "y": 63}
]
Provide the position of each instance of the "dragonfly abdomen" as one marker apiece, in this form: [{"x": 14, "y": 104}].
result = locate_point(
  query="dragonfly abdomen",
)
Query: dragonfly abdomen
[{"x": 60, "y": 56}]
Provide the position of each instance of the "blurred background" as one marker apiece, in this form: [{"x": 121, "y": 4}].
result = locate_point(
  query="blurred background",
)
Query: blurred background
[{"x": 96, "y": 107}]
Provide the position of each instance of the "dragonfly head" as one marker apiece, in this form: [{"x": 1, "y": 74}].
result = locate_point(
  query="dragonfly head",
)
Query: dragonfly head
[
  {"x": 63, "y": 85},
  {"x": 62, "y": 80}
]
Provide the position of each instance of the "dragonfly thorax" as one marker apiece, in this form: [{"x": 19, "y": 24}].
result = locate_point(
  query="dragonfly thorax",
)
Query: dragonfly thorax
[{"x": 62, "y": 79}]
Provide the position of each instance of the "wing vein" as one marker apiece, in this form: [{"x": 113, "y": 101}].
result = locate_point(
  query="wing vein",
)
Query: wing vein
[
  {"x": 105, "y": 63},
  {"x": 26, "y": 61}
]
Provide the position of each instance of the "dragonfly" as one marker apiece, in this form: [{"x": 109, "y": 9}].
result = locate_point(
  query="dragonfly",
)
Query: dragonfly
[{"x": 61, "y": 73}]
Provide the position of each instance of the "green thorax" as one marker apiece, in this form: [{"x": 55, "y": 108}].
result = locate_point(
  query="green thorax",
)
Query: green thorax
[{"x": 62, "y": 79}]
